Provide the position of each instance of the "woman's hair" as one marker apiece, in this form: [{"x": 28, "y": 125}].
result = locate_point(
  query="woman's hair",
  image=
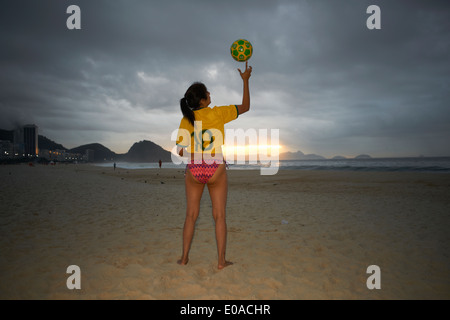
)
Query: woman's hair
[{"x": 191, "y": 101}]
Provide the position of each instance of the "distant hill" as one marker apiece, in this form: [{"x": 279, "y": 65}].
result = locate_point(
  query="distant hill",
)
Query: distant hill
[
  {"x": 101, "y": 153},
  {"x": 299, "y": 156},
  {"x": 147, "y": 151},
  {"x": 47, "y": 144},
  {"x": 363, "y": 156},
  {"x": 291, "y": 155},
  {"x": 143, "y": 151}
]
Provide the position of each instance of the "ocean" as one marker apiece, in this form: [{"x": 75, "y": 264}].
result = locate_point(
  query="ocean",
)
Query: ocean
[{"x": 420, "y": 164}]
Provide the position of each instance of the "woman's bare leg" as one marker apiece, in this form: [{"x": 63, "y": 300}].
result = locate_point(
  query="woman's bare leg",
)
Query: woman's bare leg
[
  {"x": 218, "y": 189},
  {"x": 194, "y": 191}
]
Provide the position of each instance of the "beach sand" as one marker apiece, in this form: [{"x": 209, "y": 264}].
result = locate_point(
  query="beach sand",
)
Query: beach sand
[{"x": 294, "y": 235}]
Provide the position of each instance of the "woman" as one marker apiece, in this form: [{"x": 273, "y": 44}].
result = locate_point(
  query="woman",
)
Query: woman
[{"x": 201, "y": 135}]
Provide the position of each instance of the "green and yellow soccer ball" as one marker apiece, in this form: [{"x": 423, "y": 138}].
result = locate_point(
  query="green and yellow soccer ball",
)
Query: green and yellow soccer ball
[{"x": 241, "y": 50}]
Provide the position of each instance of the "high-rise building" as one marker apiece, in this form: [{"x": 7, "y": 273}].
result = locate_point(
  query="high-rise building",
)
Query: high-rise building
[
  {"x": 30, "y": 140},
  {"x": 6, "y": 143}
]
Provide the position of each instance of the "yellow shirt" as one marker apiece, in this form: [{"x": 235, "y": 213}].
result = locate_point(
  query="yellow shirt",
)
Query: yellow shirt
[{"x": 208, "y": 134}]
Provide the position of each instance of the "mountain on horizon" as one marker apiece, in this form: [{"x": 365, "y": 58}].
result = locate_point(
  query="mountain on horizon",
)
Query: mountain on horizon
[
  {"x": 301, "y": 156},
  {"x": 46, "y": 143},
  {"x": 363, "y": 156},
  {"x": 143, "y": 151},
  {"x": 146, "y": 151},
  {"x": 101, "y": 153}
]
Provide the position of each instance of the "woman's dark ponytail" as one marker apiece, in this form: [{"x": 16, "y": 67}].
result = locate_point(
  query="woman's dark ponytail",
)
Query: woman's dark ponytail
[
  {"x": 191, "y": 100},
  {"x": 188, "y": 113}
]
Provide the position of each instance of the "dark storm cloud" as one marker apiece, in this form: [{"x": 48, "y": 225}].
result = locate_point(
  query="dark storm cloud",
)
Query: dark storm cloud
[
  {"x": 376, "y": 84},
  {"x": 327, "y": 82}
]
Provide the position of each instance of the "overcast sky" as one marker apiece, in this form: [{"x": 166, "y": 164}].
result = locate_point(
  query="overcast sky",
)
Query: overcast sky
[{"x": 320, "y": 76}]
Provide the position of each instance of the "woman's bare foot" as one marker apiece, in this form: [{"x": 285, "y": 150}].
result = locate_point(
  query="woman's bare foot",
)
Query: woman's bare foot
[
  {"x": 183, "y": 261},
  {"x": 223, "y": 265}
]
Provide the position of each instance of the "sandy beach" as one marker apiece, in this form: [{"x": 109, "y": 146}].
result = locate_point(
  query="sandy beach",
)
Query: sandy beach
[{"x": 294, "y": 235}]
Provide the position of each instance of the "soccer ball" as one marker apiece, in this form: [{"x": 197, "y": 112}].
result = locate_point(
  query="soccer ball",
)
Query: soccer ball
[{"x": 241, "y": 50}]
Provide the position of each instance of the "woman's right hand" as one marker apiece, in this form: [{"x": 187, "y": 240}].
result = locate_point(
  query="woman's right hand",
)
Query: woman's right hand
[{"x": 247, "y": 73}]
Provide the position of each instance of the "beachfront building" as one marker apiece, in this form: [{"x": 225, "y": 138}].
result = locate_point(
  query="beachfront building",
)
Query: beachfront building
[
  {"x": 30, "y": 140},
  {"x": 19, "y": 143},
  {"x": 52, "y": 155},
  {"x": 60, "y": 155},
  {"x": 6, "y": 144}
]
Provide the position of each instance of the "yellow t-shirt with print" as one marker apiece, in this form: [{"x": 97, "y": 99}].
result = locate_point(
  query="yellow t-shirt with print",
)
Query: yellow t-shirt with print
[{"x": 208, "y": 134}]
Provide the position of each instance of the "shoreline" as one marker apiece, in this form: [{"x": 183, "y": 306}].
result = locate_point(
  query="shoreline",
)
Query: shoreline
[{"x": 295, "y": 235}]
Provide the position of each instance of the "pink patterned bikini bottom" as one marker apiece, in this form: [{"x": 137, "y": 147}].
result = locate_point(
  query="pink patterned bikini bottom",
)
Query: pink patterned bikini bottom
[{"x": 203, "y": 171}]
